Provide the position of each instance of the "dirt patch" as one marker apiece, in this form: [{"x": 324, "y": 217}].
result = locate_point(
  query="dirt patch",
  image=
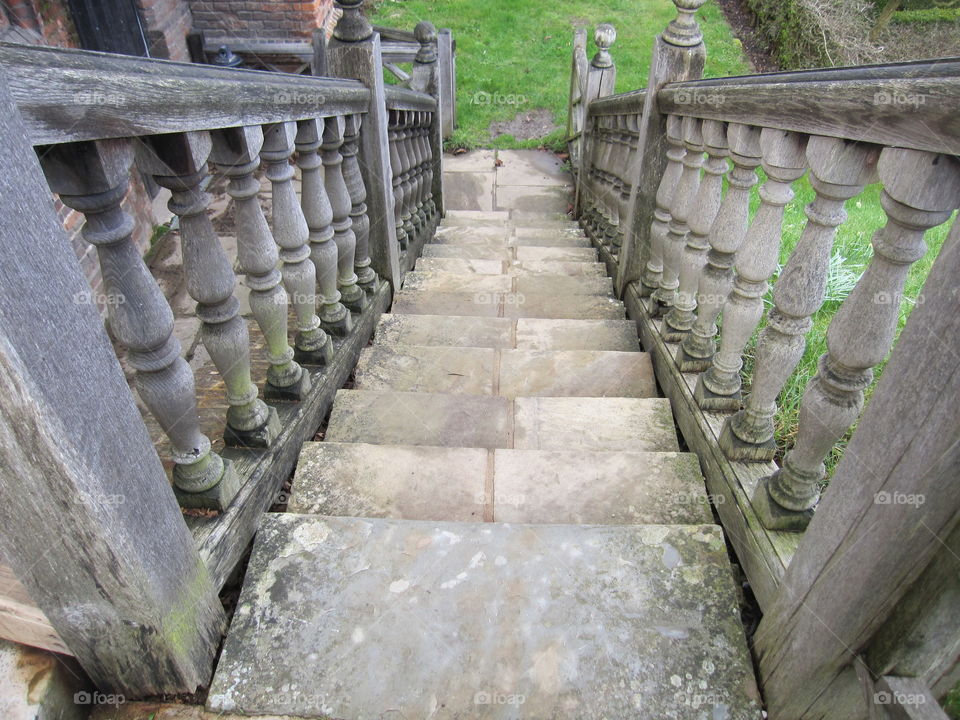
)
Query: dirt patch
[
  {"x": 527, "y": 125},
  {"x": 741, "y": 22}
]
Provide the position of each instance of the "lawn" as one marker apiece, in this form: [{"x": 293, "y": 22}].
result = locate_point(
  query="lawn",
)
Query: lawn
[
  {"x": 518, "y": 52},
  {"x": 521, "y": 51}
]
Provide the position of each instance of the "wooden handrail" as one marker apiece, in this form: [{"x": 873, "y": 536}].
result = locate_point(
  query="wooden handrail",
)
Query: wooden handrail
[
  {"x": 401, "y": 98},
  {"x": 910, "y": 105},
  {"x": 620, "y": 104},
  {"x": 73, "y": 95}
]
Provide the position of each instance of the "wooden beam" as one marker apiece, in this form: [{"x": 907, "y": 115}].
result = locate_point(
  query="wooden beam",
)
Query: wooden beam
[
  {"x": 70, "y": 95},
  {"x": 21, "y": 620}
]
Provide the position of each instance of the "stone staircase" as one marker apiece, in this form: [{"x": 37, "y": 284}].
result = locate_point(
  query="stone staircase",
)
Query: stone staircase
[{"x": 498, "y": 523}]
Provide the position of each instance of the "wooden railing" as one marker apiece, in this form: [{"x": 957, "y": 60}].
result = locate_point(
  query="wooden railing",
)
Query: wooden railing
[
  {"x": 838, "y": 586},
  {"x": 92, "y": 527}
]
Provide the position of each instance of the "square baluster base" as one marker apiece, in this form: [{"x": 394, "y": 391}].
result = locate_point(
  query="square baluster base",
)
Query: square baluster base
[
  {"x": 216, "y": 498},
  {"x": 710, "y": 401},
  {"x": 689, "y": 364},
  {"x": 736, "y": 449},
  {"x": 320, "y": 357},
  {"x": 259, "y": 438},
  {"x": 775, "y": 517},
  {"x": 290, "y": 393}
]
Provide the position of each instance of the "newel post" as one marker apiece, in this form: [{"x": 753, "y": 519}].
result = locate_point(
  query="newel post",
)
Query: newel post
[
  {"x": 600, "y": 81},
  {"x": 90, "y": 523},
  {"x": 354, "y": 52},
  {"x": 678, "y": 54}
]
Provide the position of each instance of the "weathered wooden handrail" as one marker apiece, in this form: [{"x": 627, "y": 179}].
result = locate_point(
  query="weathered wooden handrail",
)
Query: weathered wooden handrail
[
  {"x": 914, "y": 105},
  {"x": 399, "y": 98},
  {"x": 620, "y": 104},
  {"x": 75, "y": 95}
]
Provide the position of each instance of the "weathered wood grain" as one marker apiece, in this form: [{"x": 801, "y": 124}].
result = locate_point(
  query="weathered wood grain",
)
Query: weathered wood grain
[
  {"x": 400, "y": 98},
  {"x": 627, "y": 103},
  {"x": 21, "y": 620},
  {"x": 69, "y": 95},
  {"x": 919, "y": 111}
]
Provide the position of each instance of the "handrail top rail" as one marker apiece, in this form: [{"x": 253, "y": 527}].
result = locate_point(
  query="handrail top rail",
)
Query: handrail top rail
[
  {"x": 911, "y": 105},
  {"x": 619, "y": 104},
  {"x": 68, "y": 95},
  {"x": 401, "y": 98}
]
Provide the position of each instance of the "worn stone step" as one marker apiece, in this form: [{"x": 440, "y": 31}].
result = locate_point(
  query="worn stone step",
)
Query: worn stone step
[
  {"x": 543, "y": 238},
  {"x": 523, "y": 254},
  {"x": 509, "y": 373},
  {"x": 411, "y": 418},
  {"x": 390, "y": 417},
  {"x": 511, "y": 267},
  {"x": 366, "y": 618},
  {"x": 522, "y": 333},
  {"x": 610, "y": 423},
  {"x": 528, "y": 486},
  {"x": 513, "y": 304},
  {"x": 441, "y": 281}
]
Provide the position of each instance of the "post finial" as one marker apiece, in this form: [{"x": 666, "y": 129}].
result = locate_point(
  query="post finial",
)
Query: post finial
[
  {"x": 604, "y": 36},
  {"x": 684, "y": 30},
  {"x": 353, "y": 25},
  {"x": 426, "y": 35}
]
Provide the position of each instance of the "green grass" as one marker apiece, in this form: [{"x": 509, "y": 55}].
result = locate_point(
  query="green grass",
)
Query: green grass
[{"x": 522, "y": 49}]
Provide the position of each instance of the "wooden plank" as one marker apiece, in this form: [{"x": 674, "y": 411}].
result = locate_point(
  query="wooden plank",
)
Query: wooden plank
[
  {"x": 629, "y": 103},
  {"x": 907, "y": 699},
  {"x": 401, "y": 98},
  {"x": 69, "y": 95},
  {"x": 224, "y": 539},
  {"x": 446, "y": 57},
  {"x": 891, "y": 505},
  {"x": 21, "y": 620},
  {"x": 920, "y": 112},
  {"x": 764, "y": 555},
  {"x": 399, "y": 52}
]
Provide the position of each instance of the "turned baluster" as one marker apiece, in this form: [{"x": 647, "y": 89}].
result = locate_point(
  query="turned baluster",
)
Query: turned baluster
[
  {"x": 594, "y": 185},
  {"x": 393, "y": 134},
  {"x": 653, "y": 271},
  {"x": 334, "y": 317},
  {"x": 783, "y": 161},
  {"x": 416, "y": 151},
  {"x": 920, "y": 191},
  {"x": 630, "y": 139},
  {"x": 350, "y": 293},
  {"x": 179, "y": 162},
  {"x": 313, "y": 345},
  {"x": 618, "y": 153},
  {"x": 235, "y": 154},
  {"x": 406, "y": 176},
  {"x": 679, "y": 320},
  {"x": 839, "y": 170},
  {"x": 680, "y": 209},
  {"x": 366, "y": 277},
  {"x": 429, "y": 176},
  {"x": 726, "y": 234},
  {"x": 92, "y": 177}
]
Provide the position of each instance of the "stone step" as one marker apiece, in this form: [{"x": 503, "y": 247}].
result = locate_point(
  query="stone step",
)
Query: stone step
[
  {"x": 511, "y": 267},
  {"x": 489, "y": 421},
  {"x": 439, "y": 281},
  {"x": 508, "y": 373},
  {"x": 506, "y": 254},
  {"x": 513, "y": 304},
  {"x": 372, "y": 618},
  {"x": 522, "y": 333},
  {"x": 528, "y": 486},
  {"x": 542, "y": 238}
]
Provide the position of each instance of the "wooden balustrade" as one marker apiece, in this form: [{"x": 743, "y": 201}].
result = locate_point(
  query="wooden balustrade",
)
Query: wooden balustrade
[
  {"x": 366, "y": 276},
  {"x": 653, "y": 272}
]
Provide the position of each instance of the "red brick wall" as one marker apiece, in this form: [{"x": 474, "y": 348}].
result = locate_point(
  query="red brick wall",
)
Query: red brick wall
[
  {"x": 265, "y": 19},
  {"x": 167, "y": 24}
]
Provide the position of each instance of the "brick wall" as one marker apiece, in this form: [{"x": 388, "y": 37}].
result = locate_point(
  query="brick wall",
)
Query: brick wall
[
  {"x": 167, "y": 23},
  {"x": 265, "y": 19}
]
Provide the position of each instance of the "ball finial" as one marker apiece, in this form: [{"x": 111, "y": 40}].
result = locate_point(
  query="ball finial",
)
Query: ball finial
[
  {"x": 683, "y": 30},
  {"x": 353, "y": 25},
  {"x": 426, "y": 35},
  {"x": 604, "y": 36}
]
